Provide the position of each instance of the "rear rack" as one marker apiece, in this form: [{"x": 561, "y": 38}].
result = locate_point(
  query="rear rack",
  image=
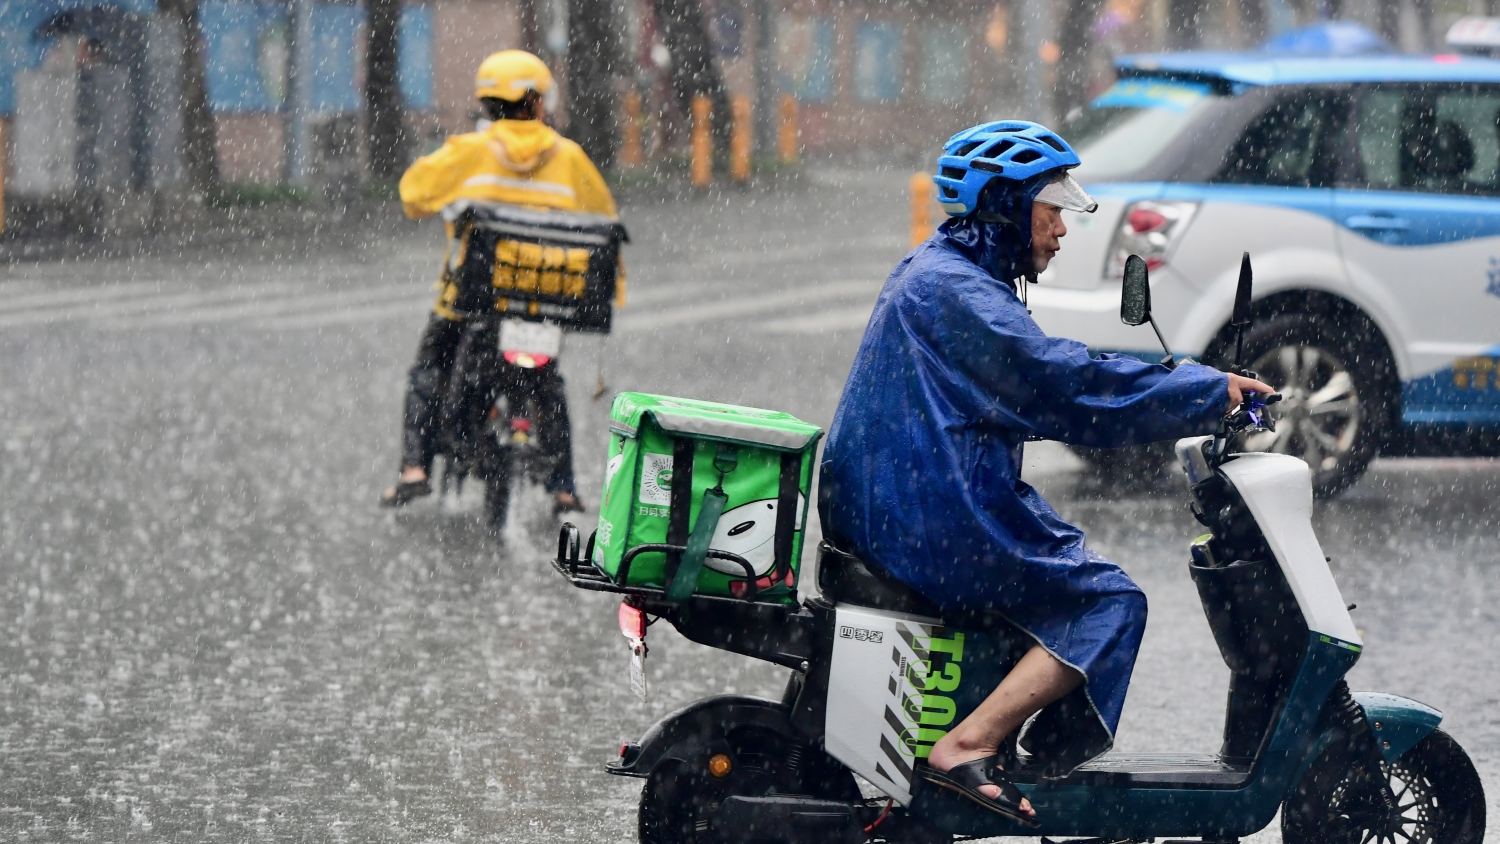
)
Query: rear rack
[
  {"x": 582, "y": 573},
  {"x": 786, "y": 634}
]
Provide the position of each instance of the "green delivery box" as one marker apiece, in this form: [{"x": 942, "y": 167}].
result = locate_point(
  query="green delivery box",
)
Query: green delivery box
[{"x": 719, "y": 490}]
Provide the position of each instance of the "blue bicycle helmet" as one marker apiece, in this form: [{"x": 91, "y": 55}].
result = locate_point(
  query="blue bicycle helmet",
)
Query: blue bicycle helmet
[{"x": 1014, "y": 150}]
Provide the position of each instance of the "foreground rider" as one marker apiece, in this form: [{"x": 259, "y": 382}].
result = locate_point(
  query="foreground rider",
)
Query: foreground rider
[
  {"x": 518, "y": 160},
  {"x": 921, "y": 473}
]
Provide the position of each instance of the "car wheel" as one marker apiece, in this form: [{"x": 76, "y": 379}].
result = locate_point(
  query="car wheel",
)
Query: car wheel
[{"x": 1335, "y": 405}]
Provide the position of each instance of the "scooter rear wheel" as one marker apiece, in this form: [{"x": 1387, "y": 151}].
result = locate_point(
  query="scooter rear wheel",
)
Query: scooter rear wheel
[
  {"x": 1439, "y": 800},
  {"x": 681, "y": 799}
]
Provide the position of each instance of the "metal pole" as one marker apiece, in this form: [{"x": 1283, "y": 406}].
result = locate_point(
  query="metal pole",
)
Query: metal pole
[
  {"x": 1030, "y": 20},
  {"x": 299, "y": 99},
  {"x": 765, "y": 81}
]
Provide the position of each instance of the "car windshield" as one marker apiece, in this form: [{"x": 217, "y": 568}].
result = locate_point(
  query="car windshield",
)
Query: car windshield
[{"x": 1131, "y": 123}]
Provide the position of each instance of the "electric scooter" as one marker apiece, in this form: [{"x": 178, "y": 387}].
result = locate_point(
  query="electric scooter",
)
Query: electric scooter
[
  {"x": 499, "y": 408},
  {"x": 878, "y": 674}
]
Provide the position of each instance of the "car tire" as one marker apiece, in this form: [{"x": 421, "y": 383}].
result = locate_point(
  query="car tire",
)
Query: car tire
[{"x": 1338, "y": 404}]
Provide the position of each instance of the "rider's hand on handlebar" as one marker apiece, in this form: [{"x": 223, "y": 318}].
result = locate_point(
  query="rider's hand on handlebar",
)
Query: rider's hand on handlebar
[{"x": 1239, "y": 385}]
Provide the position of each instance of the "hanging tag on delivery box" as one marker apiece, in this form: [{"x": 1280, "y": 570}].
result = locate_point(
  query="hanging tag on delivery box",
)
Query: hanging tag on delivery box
[{"x": 633, "y": 628}]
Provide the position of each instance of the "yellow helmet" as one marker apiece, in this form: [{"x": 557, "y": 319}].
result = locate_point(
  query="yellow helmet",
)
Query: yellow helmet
[{"x": 509, "y": 74}]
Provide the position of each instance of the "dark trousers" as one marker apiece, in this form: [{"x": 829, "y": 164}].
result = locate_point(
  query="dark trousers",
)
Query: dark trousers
[
  {"x": 425, "y": 391},
  {"x": 429, "y": 408}
]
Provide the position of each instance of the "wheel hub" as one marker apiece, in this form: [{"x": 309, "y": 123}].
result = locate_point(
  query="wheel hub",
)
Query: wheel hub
[{"x": 1319, "y": 415}]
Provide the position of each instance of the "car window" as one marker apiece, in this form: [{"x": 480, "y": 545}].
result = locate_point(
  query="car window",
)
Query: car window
[
  {"x": 1431, "y": 138},
  {"x": 1129, "y": 125},
  {"x": 1291, "y": 143}
]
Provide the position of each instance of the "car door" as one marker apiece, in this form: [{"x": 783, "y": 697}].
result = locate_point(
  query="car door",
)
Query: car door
[
  {"x": 1271, "y": 194},
  {"x": 1419, "y": 228}
]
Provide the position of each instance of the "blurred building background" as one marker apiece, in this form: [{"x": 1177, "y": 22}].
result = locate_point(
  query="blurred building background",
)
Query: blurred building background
[{"x": 116, "y": 103}]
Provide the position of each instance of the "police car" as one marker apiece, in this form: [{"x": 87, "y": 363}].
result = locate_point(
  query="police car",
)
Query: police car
[{"x": 1367, "y": 192}]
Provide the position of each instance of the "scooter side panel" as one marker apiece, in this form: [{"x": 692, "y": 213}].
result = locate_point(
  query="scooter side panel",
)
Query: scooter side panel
[
  {"x": 1398, "y": 722},
  {"x": 1278, "y": 490},
  {"x": 896, "y": 684},
  {"x": 872, "y": 691}
]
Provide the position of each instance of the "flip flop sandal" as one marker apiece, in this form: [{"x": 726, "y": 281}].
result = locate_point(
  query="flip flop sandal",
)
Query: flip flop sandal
[
  {"x": 405, "y": 491},
  {"x": 967, "y": 778}
]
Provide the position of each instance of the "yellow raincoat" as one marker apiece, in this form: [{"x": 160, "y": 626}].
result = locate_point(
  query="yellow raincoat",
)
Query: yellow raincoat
[{"x": 518, "y": 162}]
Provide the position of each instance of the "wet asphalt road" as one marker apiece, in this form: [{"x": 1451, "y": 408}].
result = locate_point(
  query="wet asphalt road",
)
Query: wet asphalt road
[{"x": 208, "y": 632}]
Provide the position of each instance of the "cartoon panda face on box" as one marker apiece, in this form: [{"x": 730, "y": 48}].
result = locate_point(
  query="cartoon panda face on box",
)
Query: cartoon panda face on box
[{"x": 749, "y": 530}]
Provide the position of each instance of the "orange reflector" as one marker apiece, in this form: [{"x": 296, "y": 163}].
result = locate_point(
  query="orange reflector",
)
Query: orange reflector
[{"x": 718, "y": 765}]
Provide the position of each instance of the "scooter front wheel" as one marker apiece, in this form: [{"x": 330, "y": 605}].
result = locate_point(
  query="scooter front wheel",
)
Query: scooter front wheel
[{"x": 1439, "y": 800}]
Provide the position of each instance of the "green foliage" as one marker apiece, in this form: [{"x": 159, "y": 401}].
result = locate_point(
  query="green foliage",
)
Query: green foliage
[{"x": 259, "y": 194}]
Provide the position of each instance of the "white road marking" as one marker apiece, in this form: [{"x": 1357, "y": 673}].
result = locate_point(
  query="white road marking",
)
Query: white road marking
[
  {"x": 166, "y": 302},
  {"x": 78, "y": 295},
  {"x": 317, "y": 302},
  {"x": 837, "y": 319},
  {"x": 746, "y": 305},
  {"x": 367, "y": 313}
]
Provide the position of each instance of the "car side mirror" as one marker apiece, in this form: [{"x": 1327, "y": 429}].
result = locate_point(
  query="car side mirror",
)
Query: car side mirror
[{"x": 1135, "y": 292}]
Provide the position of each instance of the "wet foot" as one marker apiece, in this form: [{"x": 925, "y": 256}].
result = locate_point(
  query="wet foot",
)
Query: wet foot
[{"x": 412, "y": 484}]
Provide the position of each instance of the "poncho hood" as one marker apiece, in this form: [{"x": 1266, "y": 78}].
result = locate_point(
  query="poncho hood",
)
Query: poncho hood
[
  {"x": 1002, "y": 248},
  {"x": 522, "y": 145}
]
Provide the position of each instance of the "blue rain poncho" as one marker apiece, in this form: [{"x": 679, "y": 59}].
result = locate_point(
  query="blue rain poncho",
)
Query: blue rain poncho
[{"x": 922, "y": 470}]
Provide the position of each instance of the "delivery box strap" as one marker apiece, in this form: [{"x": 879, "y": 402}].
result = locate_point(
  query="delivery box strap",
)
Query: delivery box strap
[{"x": 685, "y": 579}]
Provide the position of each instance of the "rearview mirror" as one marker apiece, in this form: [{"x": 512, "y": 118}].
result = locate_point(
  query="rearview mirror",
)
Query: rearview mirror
[
  {"x": 1135, "y": 292},
  {"x": 1241, "y": 318}
]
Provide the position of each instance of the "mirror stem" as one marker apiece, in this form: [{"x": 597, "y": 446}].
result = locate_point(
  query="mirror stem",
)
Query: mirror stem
[{"x": 1170, "y": 361}]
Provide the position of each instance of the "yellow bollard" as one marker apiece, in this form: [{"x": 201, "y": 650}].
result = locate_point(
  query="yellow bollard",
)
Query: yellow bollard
[
  {"x": 703, "y": 142},
  {"x": 739, "y": 141},
  {"x": 632, "y": 154},
  {"x": 921, "y": 208},
  {"x": 788, "y": 139}
]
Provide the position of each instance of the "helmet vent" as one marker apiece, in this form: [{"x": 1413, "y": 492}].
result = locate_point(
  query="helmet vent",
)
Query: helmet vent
[
  {"x": 967, "y": 148},
  {"x": 1026, "y": 156},
  {"x": 1052, "y": 142},
  {"x": 999, "y": 149},
  {"x": 952, "y": 173},
  {"x": 987, "y": 166}
]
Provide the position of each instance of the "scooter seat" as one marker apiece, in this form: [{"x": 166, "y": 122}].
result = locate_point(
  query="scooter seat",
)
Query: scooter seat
[{"x": 846, "y": 579}]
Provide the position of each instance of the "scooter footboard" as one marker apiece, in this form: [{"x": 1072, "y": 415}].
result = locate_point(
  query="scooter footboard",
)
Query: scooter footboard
[
  {"x": 696, "y": 731},
  {"x": 1397, "y": 723}
]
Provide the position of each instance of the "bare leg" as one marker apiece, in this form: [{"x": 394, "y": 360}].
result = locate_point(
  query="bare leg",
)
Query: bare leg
[{"x": 1037, "y": 680}]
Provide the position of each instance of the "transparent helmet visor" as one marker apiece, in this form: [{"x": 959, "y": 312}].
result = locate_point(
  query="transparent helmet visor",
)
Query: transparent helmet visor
[{"x": 1064, "y": 192}]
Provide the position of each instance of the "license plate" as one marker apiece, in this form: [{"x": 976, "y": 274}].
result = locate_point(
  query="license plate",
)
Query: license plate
[
  {"x": 638, "y": 671},
  {"x": 532, "y": 338}
]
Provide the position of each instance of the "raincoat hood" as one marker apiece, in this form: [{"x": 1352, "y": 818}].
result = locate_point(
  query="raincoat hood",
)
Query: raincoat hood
[
  {"x": 997, "y": 236},
  {"x": 522, "y": 145}
]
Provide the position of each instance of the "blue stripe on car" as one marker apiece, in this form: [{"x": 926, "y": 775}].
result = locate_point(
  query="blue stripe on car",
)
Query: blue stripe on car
[{"x": 1428, "y": 219}]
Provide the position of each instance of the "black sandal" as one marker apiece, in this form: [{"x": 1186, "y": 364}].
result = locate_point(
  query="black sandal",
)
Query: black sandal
[
  {"x": 968, "y": 777},
  {"x": 405, "y": 491}
]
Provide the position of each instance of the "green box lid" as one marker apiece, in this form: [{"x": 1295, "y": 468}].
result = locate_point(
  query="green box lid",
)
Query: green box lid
[{"x": 713, "y": 421}]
